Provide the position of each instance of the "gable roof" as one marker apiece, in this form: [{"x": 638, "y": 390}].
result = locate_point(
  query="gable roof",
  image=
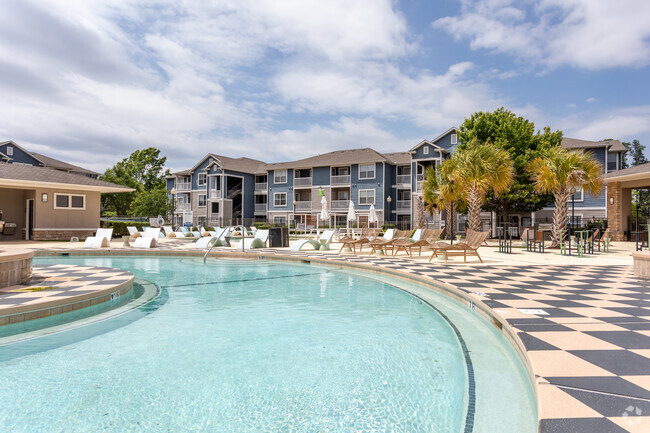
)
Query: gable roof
[
  {"x": 26, "y": 176},
  {"x": 242, "y": 164},
  {"x": 60, "y": 165},
  {"x": 22, "y": 149},
  {"x": 337, "y": 157},
  {"x": 574, "y": 143},
  {"x": 399, "y": 158},
  {"x": 433, "y": 142},
  {"x": 631, "y": 173}
]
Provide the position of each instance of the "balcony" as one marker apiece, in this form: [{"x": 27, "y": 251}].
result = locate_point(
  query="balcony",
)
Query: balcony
[
  {"x": 301, "y": 181},
  {"x": 404, "y": 179},
  {"x": 261, "y": 186},
  {"x": 303, "y": 206},
  {"x": 215, "y": 194},
  {"x": 340, "y": 205},
  {"x": 183, "y": 186},
  {"x": 403, "y": 205},
  {"x": 340, "y": 180},
  {"x": 260, "y": 207},
  {"x": 180, "y": 207}
]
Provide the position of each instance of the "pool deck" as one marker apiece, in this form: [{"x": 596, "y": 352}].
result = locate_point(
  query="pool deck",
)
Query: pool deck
[{"x": 583, "y": 322}]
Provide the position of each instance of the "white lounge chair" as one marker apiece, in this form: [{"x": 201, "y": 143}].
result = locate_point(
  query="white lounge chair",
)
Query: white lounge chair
[
  {"x": 204, "y": 242},
  {"x": 149, "y": 238},
  {"x": 133, "y": 232},
  {"x": 169, "y": 231},
  {"x": 101, "y": 239},
  {"x": 259, "y": 241},
  {"x": 323, "y": 243}
]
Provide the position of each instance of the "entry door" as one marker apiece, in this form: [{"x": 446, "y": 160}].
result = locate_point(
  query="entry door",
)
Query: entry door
[{"x": 29, "y": 219}]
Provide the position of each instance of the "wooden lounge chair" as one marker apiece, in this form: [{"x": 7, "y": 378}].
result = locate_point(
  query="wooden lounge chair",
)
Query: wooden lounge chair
[
  {"x": 470, "y": 246},
  {"x": 427, "y": 236},
  {"x": 367, "y": 235},
  {"x": 383, "y": 244}
]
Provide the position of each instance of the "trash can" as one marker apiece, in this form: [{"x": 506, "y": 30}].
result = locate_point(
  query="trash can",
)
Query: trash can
[
  {"x": 9, "y": 229},
  {"x": 279, "y": 237}
]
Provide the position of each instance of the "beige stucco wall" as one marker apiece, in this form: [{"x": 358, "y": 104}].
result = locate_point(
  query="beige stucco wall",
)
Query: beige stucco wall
[
  {"x": 45, "y": 216},
  {"x": 12, "y": 205}
]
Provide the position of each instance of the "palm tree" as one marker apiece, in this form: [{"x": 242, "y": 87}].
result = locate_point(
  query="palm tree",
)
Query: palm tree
[
  {"x": 440, "y": 193},
  {"x": 477, "y": 169},
  {"x": 559, "y": 170}
]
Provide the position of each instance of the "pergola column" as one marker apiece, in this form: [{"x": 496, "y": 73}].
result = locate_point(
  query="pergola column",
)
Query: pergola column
[{"x": 615, "y": 210}]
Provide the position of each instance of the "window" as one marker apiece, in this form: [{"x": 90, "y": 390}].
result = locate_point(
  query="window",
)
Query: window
[
  {"x": 10, "y": 151},
  {"x": 343, "y": 195},
  {"x": 612, "y": 165},
  {"x": 366, "y": 171},
  {"x": 366, "y": 196},
  {"x": 280, "y": 176},
  {"x": 203, "y": 178},
  {"x": 282, "y": 220},
  {"x": 202, "y": 221},
  {"x": 454, "y": 139},
  {"x": 70, "y": 201},
  {"x": 425, "y": 150},
  {"x": 215, "y": 207},
  {"x": 202, "y": 200},
  {"x": 280, "y": 199},
  {"x": 578, "y": 196}
]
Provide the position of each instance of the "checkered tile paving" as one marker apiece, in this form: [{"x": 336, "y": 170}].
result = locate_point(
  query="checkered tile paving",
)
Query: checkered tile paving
[
  {"x": 67, "y": 281},
  {"x": 586, "y": 330}
]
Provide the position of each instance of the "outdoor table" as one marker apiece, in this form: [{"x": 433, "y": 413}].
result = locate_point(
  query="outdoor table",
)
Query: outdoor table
[{"x": 125, "y": 240}]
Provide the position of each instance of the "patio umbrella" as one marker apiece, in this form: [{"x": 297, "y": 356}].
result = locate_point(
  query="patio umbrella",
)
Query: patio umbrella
[
  {"x": 324, "y": 216},
  {"x": 372, "y": 215},
  {"x": 351, "y": 215}
]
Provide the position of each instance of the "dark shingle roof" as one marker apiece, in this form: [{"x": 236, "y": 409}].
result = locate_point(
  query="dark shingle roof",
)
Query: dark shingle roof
[
  {"x": 400, "y": 158},
  {"x": 637, "y": 169},
  {"x": 574, "y": 143},
  {"x": 25, "y": 175},
  {"x": 60, "y": 165},
  {"x": 338, "y": 157}
]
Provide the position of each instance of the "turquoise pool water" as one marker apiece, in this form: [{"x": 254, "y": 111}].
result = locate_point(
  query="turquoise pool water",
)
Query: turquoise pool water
[{"x": 257, "y": 346}]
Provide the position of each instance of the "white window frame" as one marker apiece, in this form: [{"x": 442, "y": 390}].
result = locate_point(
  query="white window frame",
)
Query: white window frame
[
  {"x": 374, "y": 193},
  {"x": 202, "y": 179},
  {"x": 279, "y": 194},
  {"x": 279, "y": 219},
  {"x": 285, "y": 176},
  {"x": 205, "y": 200},
  {"x": 425, "y": 150},
  {"x": 374, "y": 171},
  {"x": 69, "y": 207},
  {"x": 454, "y": 138},
  {"x": 582, "y": 196},
  {"x": 10, "y": 151}
]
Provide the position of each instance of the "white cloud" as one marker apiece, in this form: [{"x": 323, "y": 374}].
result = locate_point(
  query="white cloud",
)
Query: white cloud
[
  {"x": 591, "y": 99},
  {"x": 624, "y": 124},
  {"x": 581, "y": 33}
]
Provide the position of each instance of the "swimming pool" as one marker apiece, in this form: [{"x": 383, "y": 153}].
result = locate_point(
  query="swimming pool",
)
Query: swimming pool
[{"x": 259, "y": 346}]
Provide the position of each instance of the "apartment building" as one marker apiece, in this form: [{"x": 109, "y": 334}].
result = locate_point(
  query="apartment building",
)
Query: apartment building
[{"x": 220, "y": 190}]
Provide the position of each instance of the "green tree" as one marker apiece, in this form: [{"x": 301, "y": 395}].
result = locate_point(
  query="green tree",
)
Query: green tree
[
  {"x": 477, "y": 169},
  {"x": 557, "y": 171},
  {"x": 517, "y": 136},
  {"x": 440, "y": 193},
  {"x": 635, "y": 151},
  {"x": 144, "y": 171},
  {"x": 153, "y": 202}
]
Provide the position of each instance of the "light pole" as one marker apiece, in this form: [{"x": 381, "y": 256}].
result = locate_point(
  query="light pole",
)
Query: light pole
[
  {"x": 173, "y": 193},
  {"x": 389, "y": 199}
]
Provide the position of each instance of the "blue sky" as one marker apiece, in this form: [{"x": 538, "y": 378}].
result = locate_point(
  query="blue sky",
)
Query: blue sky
[{"x": 90, "y": 81}]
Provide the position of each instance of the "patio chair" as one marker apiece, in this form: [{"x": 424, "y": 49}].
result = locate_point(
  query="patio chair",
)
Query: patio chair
[
  {"x": 149, "y": 238},
  {"x": 323, "y": 243},
  {"x": 605, "y": 240},
  {"x": 101, "y": 239},
  {"x": 367, "y": 235},
  {"x": 169, "y": 231},
  {"x": 383, "y": 244},
  {"x": 259, "y": 241},
  {"x": 470, "y": 246},
  {"x": 425, "y": 238},
  {"x": 133, "y": 232}
]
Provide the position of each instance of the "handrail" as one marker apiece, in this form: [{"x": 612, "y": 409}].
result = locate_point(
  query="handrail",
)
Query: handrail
[{"x": 205, "y": 256}]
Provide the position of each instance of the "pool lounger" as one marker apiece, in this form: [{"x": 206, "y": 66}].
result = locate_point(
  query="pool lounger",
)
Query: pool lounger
[
  {"x": 323, "y": 243},
  {"x": 101, "y": 239}
]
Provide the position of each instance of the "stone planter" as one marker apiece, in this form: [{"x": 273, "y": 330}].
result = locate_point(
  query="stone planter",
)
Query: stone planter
[{"x": 15, "y": 267}]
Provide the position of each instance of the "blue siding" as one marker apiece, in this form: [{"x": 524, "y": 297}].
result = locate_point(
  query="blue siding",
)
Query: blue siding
[
  {"x": 195, "y": 175},
  {"x": 419, "y": 152},
  {"x": 321, "y": 176},
  {"x": 374, "y": 184},
  {"x": 170, "y": 184},
  {"x": 19, "y": 156},
  {"x": 445, "y": 141},
  {"x": 281, "y": 187},
  {"x": 248, "y": 192}
]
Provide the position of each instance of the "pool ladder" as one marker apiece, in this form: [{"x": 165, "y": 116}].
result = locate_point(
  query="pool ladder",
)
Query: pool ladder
[{"x": 227, "y": 229}]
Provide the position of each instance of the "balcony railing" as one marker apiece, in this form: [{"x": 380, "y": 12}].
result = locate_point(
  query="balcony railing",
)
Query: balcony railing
[
  {"x": 180, "y": 207},
  {"x": 215, "y": 194},
  {"x": 303, "y": 206},
  {"x": 340, "y": 204},
  {"x": 404, "y": 179},
  {"x": 419, "y": 186},
  {"x": 261, "y": 186},
  {"x": 403, "y": 204},
  {"x": 260, "y": 207},
  {"x": 183, "y": 186},
  {"x": 343, "y": 179},
  {"x": 302, "y": 181}
]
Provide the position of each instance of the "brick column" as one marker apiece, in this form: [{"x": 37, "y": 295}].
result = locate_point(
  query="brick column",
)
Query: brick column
[{"x": 615, "y": 210}]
